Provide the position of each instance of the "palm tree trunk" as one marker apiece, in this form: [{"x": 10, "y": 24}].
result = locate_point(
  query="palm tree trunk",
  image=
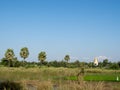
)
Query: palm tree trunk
[
  {"x": 41, "y": 63},
  {"x": 9, "y": 63},
  {"x": 23, "y": 62}
]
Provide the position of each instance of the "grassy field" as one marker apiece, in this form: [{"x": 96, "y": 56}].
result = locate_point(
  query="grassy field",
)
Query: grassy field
[
  {"x": 49, "y": 78},
  {"x": 102, "y": 77}
]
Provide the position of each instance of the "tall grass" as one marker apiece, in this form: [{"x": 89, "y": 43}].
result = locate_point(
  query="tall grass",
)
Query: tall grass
[
  {"x": 72, "y": 85},
  {"x": 34, "y": 73},
  {"x": 51, "y": 79}
]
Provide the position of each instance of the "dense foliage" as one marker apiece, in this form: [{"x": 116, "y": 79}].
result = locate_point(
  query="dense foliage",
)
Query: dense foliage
[
  {"x": 42, "y": 57},
  {"x": 24, "y": 53},
  {"x": 12, "y": 61},
  {"x": 55, "y": 63}
]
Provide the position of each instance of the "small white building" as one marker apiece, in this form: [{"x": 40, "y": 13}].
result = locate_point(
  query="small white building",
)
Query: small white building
[{"x": 95, "y": 62}]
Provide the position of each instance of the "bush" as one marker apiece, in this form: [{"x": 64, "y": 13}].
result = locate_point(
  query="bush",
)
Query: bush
[
  {"x": 114, "y": 66},
  {"x": 7, "y": 85}
]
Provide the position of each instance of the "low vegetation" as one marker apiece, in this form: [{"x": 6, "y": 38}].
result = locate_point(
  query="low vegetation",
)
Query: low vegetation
[{"x": 50, "y": 78}]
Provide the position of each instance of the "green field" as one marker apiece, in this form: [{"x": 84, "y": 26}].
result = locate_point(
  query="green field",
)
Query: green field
[
  {"x": 102, "y": 77},
  {"x": 97, "y": 77}
]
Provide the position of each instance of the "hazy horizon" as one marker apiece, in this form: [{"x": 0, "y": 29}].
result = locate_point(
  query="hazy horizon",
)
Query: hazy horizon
[{"x": 84, "y": 29}]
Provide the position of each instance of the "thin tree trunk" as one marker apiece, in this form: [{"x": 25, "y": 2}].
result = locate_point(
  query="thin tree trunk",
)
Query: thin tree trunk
[
  {"x": 9, "y": 63},
  {"x": 23, "y": 62},
  {"x": 40, "y": 64}
]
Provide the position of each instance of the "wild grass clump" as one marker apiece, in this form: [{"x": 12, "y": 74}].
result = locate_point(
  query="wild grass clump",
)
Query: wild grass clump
[
  {"x": 37, "y": 85},
  {"x": 8, "y": 85},
  {"x": 74, "y": 85},
  {"x": 97, "y": 70}
]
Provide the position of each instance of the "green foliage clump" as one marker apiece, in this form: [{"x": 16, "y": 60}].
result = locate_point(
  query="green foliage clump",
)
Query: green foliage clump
[
  {"x": 67, "y": 58},
  {"x": 42, "y": 56},
  {"x": 24, "y": 53}
]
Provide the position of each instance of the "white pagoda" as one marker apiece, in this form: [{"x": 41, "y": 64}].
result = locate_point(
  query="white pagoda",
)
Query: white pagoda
[{"x": 95, "y": 62}]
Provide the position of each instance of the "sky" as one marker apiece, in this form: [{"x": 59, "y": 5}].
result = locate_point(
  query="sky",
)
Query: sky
[{"x": 83, "y": 29}]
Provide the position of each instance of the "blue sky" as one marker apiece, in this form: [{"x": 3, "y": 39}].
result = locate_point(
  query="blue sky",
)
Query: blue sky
[{"x": 84, "y": 29}]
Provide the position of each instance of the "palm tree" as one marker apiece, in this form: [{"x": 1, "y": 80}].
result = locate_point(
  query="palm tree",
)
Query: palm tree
[
  {"x": 42, "y": 57},
  {"x": 24, "y": 53},
  {"x": 9, "y": 55},
  {"x": 67, "y": 58}
]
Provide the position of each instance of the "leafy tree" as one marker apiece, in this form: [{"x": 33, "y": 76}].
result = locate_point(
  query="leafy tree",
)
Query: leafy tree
[
  {"x": 14, "y": 61},
  {"x": 100, "y": 64},
  {"x": 4, "y": 62},
  {"x": 119, "y": 64},
  {"x": 9, "y": 55},
  {"x": 42, "y": 57},
  {"x": 114, "y": 66},
  {"x": 105, "y": 62},
  {"x": 24, "y": 53},
  {"x": 67, "y": 58},
  {"x": 77, "y": 63}
]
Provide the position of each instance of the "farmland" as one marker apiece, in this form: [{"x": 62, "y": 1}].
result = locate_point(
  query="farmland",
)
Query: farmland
[
  {"x": 56, "y": 75},
  {"x": 50, "y": 78}
]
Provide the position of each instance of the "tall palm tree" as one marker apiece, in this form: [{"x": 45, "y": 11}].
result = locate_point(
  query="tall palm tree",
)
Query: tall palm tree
[
  {"x": 9, "y": 55},
  {"x": 24, "y": 53},
  {"x": 42, "y": 57},
  {"x": 67, "y": 58}
]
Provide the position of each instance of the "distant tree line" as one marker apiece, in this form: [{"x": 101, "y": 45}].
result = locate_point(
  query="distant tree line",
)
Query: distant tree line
[{"x": 10, "y": 60}]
